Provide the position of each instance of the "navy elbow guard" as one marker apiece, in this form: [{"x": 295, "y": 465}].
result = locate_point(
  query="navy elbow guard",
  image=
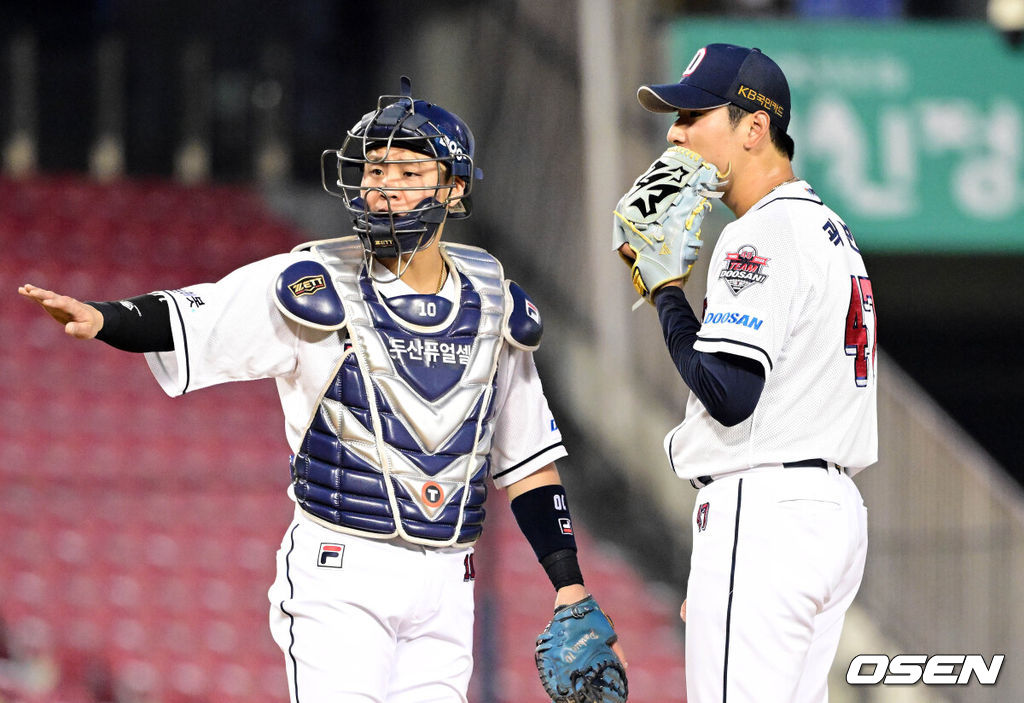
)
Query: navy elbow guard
[{"x": 543, "y": 517}]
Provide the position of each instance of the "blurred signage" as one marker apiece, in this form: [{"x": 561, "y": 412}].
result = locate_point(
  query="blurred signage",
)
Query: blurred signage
[{"x": 913, "y": 132}]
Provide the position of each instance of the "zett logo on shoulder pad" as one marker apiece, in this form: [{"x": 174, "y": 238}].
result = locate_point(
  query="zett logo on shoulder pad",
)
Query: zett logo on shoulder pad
[{"x": 307, "y": 285}]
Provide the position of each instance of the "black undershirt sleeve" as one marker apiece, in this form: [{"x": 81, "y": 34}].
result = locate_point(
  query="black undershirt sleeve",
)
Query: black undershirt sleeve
[
  {"x": 728, "y": 385},
  {"x": 140, "y": 324}
]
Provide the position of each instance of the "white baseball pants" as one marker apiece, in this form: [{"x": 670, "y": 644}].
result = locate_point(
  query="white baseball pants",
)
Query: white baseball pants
[
  {"x": 778, "y": 556},
  {"x": 369, "y": 621}
]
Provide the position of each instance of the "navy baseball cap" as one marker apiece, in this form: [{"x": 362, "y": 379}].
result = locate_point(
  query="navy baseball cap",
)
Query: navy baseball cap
[{"x": 719, "y": 74}]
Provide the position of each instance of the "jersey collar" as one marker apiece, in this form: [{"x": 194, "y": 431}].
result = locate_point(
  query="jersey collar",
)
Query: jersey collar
[{"x": 794, "y": 190}]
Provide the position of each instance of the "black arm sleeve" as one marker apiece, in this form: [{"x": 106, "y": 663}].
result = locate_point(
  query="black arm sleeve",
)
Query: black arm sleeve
[
  {"x": 142, "y": 326},
  {"x": 543, "y": 516},
  {"x": 728, "y": 385}
]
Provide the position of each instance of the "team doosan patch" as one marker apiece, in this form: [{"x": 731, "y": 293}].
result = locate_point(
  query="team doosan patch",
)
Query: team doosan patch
[
  {"x": 330, "y": 555},
  {"x": 743, "y": 268}
]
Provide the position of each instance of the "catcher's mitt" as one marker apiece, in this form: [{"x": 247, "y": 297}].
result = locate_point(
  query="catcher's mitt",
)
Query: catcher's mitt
[
  {"x": 575, "y": 659},
  {"x": 659, "y": 218}
]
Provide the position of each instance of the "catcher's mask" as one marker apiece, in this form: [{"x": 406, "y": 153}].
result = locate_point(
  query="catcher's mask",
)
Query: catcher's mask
[{"x": 402, "y": 122}]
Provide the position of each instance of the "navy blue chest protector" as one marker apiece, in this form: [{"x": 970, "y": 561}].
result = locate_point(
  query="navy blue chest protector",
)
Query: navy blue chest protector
[{"x": 400, "y": 441}]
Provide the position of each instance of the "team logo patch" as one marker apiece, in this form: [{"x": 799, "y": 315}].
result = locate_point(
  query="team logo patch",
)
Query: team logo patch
[
  {"x": 695, "y": 62},
  {"x": 330, "y": 555},
  {"x": 307, "y": 285},
  {"x": 432, "y": 494},
  {"x": 565, "y": 525},
  {"x": 702, "y": 516},
  {"x": 743, "y": 268}
]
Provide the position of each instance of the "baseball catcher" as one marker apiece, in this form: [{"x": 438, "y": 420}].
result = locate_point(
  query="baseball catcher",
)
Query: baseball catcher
[
  {"x": 575, "y": 659},
  {"x": 659, "y": 219},
  {"x": 405, "y": 369}
]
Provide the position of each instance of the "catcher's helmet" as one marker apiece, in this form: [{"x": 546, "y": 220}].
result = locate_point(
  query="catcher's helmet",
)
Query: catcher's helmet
[{"x": 402, "y": 122}]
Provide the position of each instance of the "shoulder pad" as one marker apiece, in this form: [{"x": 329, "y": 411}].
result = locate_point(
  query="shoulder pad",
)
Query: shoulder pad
[
  {"x": 304, "y": 292},
  {"x": 522, "y": 326}
]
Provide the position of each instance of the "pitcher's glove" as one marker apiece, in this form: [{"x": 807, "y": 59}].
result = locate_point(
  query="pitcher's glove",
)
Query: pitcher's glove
[
  {"x": 575, "y": 659},
  {"x": 659, "y": 218}
]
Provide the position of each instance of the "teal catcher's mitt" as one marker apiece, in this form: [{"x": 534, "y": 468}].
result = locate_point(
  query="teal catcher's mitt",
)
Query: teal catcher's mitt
[
  {"x": 575, "y": 659},
  {"x": 659, "y": 218}
]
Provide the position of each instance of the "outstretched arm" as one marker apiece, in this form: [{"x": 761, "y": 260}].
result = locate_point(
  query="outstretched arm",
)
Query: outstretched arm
[
  {"x": 80, "y": 320},
  {"x": 140, "y": 324}
]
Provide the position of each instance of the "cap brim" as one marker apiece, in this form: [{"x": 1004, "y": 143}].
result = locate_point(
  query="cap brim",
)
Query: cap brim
[{"x": 670, "y": 97}]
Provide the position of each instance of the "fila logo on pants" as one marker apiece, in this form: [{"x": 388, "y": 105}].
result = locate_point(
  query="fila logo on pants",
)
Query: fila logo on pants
[{"x": 330, "y": 555}]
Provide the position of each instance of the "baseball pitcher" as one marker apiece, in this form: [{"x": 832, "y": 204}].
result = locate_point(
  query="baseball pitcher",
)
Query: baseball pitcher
[{"x": 781, "y": 366}]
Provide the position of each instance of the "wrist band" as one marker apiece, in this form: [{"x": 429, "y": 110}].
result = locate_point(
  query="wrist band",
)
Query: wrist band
[
  {"x": 543, "y": 517},
  {"x": 563, "y": 568}
]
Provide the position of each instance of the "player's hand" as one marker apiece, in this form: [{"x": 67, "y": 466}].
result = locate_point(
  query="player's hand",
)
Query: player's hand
[
  {"x": 627, "y": 254},
  {"x": 80, "y": 320},
  {"x": 568, "y": 595},
  {"x": 682, "y": 611}
]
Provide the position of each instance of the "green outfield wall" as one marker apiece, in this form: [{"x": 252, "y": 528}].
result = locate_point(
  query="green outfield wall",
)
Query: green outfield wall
[{"x": 914, "y": 132}]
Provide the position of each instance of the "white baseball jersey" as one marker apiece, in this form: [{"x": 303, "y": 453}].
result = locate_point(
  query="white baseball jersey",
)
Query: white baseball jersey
[
  {"x": 232, "y": 331},
  {"x": 357, "y": 617},
  {"x": 787, "y": 287}
]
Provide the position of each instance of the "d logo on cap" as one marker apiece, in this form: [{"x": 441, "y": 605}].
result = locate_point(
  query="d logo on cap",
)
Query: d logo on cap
[{"x": 695, "y": 62}]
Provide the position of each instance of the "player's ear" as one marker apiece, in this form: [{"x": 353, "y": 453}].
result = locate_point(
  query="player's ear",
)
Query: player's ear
[
  {"x": 458, "y": 187},
  {"x": 757, "y": 129}
]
